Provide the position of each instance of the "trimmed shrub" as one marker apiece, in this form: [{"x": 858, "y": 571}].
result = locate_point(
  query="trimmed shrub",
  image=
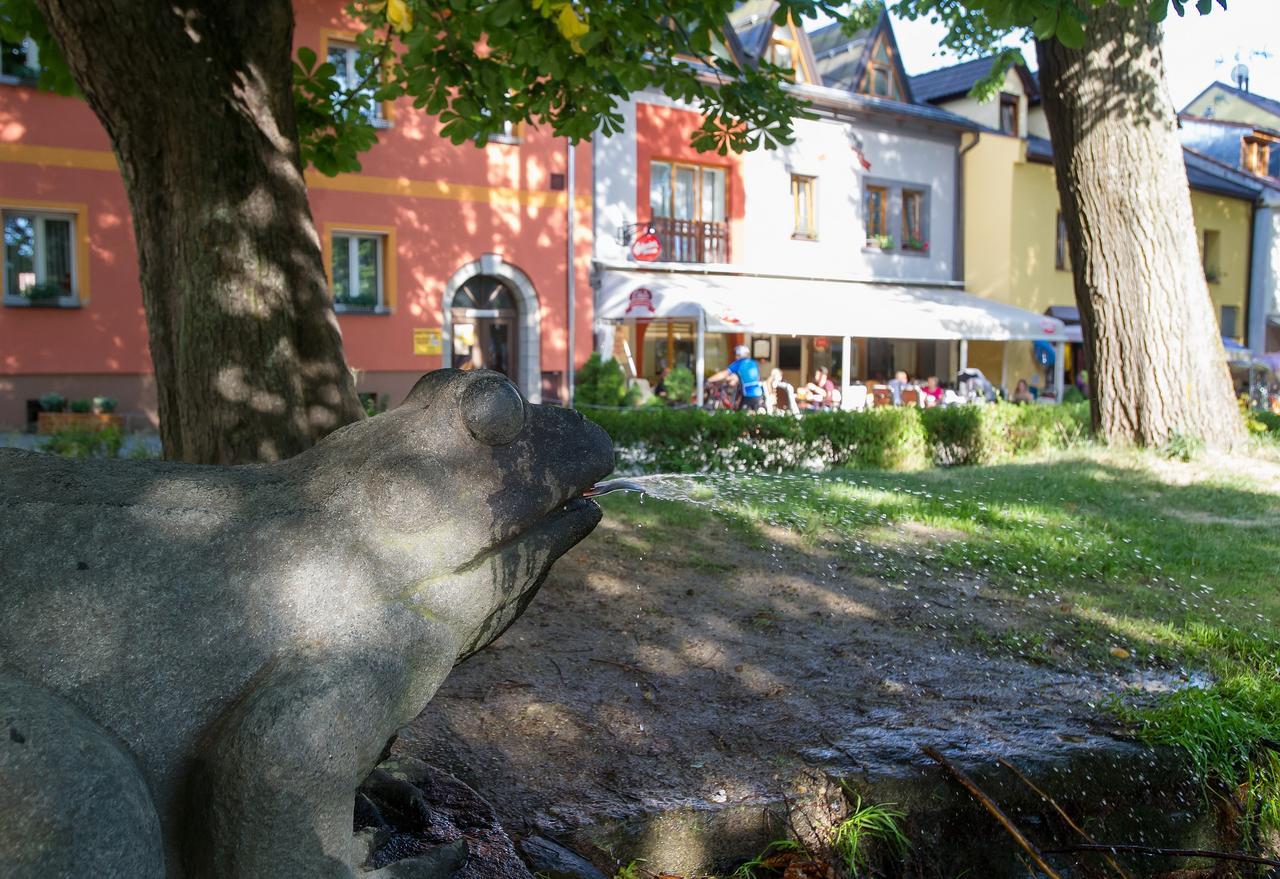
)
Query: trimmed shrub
[
  {"x": 104, "y": 443},
  {"x": 888, "y": 438},
  {"x": 679, "y": 385},
  {"x": 602, "y": 383}
]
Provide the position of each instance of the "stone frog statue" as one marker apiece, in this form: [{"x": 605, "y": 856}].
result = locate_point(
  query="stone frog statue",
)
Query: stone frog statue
[{"x": 199, "y": 665}]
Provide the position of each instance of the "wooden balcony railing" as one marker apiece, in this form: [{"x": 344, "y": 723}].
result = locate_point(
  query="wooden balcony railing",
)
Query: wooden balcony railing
[{"x": 691, "y": 240}]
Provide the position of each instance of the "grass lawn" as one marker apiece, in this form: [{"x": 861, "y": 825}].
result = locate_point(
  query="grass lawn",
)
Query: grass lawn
[{"x": 1110, "y": 557}]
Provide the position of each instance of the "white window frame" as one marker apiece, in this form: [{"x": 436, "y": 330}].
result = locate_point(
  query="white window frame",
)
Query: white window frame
[
  {"x": 353, "y": 237},
  {"x": 13, "y": 297},
  {"x": 350, "y": 75}
]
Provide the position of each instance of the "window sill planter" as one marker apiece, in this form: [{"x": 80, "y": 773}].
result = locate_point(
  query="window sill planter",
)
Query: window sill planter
[
  {"x": 880, "y": 242},
  {"x": 24, "y": 302},
  {"x": 55, "y": 422},
  {"x": 340, "y": 308}
]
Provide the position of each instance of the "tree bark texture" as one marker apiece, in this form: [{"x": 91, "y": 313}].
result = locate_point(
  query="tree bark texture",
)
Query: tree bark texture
[
  {"x": 1157, "y": 366},
  {"x": 197, "y": 100}
]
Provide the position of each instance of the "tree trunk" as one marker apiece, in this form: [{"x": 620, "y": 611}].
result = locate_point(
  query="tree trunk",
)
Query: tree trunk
[
  {"x": 197, "y": 100},
  {"x": 1157, "y": 363}
]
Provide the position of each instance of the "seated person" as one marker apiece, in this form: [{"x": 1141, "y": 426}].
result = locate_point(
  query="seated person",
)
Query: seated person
[
  {"x": 780, "y": 396},
  {"x": 660, "y": 389},
  {"x": 931, "y": 393},
  {"x": 1022, "y": 393},
  {"x": 832, "y": 392},
  {"x": 899, "y": 383},
  {"x": 816, "y": 393}
]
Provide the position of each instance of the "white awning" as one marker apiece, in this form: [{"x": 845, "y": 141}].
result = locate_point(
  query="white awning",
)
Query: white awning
[{"x": 813, "y": 307}]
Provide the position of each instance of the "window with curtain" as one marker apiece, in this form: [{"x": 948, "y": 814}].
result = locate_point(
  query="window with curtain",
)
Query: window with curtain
[
  {"x": 356, "y": 71},
  {"x": 1009, "y": 115},
  {"x": 357, "y": 270},
  {"x": 803, "y": 207},
  {"x": 914, "y": 216},
  {"x": 39, "y": 258},
  {"x": 875, "y": 210},
  {"x": 1061, "y": 253},
  {"x": 686, "y": 192}
]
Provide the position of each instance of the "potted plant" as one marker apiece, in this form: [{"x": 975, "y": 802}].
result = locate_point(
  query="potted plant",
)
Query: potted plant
[
  {"x": 90, "y": 415},
  {"x": 880, "y": 242},
  {"x": 43, "y": 293},
  {"x": 916, "y": 244}
]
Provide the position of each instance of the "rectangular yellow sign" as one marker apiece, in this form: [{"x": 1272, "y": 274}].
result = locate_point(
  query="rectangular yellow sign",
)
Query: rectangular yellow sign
[{"x": 426, "y": 341}]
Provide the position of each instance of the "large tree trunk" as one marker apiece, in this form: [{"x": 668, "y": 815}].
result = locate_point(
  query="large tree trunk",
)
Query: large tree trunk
[
  {"x": 1157, "y": 364},
  {"x": 197, "y": 101}
]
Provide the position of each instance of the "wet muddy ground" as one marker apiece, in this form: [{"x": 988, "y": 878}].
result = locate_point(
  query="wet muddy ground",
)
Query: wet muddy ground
[{"x": 642, "y": 682}]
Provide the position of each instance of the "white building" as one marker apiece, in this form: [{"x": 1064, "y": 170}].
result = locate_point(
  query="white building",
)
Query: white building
[{"x": 843, "y": 249}]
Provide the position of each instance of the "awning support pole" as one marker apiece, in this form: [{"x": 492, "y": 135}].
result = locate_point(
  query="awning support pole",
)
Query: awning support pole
[
  {"x": 846, "y": 369},
  {"x": 1004, "y": 368},
  {"x": 1059, "y": 370},
  {"x": 964, "y": 354},
  {"x": 700, "y": 356}
]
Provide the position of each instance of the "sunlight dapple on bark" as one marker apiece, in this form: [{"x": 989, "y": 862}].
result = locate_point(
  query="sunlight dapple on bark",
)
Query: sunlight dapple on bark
[
  {"x": 197, "y": 100},
  {"x": 1157, "y": 367}
]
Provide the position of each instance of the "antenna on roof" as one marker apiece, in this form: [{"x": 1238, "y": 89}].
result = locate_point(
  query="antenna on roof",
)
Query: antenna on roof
[{"x": 1240, "y": 76}]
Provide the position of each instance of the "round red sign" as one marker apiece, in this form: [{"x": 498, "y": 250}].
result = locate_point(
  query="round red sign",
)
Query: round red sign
[{"x": 646, "y": 247}]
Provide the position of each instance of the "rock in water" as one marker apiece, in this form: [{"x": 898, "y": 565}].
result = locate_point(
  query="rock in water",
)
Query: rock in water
[{"x": 246, "y": 639}]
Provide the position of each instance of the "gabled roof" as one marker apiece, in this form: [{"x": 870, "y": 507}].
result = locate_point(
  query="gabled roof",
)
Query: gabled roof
[
  {"x": 751, "y": 23},
  {"x": 1203, "y": 173},
  {"x": 839, "y": 55},
  {"x": 842, "y": 59},
  {"x": 957, "y": 80},
  {"x": 1270, "y": 105}
]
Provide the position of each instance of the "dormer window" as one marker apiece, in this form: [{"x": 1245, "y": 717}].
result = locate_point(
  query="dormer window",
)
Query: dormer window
[
  {"x": 1255, "y": 155},
  {"x": 1009, "y": 115},
  {"x": 785, "y": 53},
  {"x": 881, "y": 77}
]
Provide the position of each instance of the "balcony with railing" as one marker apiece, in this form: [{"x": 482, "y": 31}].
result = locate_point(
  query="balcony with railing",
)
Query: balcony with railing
[{"x": 694, "y": 241}]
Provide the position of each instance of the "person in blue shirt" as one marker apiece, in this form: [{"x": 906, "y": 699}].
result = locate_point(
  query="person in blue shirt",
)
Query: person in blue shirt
[{"x": 747, "y": 372}]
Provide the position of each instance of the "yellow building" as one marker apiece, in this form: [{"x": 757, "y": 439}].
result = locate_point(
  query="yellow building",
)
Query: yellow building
[{"x": 1014, "y": 243}]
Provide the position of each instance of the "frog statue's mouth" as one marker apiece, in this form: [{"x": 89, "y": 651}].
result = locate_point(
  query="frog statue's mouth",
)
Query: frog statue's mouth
[{"x": 518, "y": 566}]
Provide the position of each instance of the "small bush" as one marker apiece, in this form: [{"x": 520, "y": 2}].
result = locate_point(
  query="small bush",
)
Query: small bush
[
  {"x": 602, "y": 383},
  {"x": 104, "y": 443},
  {"x": 679, "y": 385},
  {"x": 1268, "y": 421},
  {"x": 888, "y": 438},
  {"x": 53, "y": 402},
  {"x": 82, "y": 406},
  {"x": 105, "y": 405}
]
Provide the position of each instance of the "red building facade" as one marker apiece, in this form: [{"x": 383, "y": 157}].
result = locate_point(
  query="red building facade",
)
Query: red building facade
[{"x": 437, "y": 254}]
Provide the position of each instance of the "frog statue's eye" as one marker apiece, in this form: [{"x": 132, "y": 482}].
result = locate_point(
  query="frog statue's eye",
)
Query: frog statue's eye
[{"x": 493, "y": 410}]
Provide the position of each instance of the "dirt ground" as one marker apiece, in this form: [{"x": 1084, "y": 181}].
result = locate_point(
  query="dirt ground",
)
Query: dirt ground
[{"x": 636, "y": 685}]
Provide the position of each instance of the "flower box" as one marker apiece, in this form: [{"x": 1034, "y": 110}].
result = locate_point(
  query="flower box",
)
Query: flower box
[{"x": 55, "y": 422}]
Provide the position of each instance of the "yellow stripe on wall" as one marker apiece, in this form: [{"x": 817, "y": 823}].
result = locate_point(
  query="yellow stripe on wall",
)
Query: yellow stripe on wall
[
  {"x": 439, "y": 189},
  {"x": 104, "y": 160},
  {"x": 60, "y": 157}
]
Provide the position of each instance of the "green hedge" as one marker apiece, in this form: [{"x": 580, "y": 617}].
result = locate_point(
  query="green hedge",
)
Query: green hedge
[{"x": 890, "y": 438}]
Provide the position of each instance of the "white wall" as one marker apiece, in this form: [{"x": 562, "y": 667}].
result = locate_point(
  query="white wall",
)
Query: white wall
[
  {"x": 825, "y": 149},
  {"x": 614, "y": 199}
]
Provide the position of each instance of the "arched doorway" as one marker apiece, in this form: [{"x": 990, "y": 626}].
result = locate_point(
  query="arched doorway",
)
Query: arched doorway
[
  {"x": 486, "y": 326},
  {"x": 492, "y": 318}
]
